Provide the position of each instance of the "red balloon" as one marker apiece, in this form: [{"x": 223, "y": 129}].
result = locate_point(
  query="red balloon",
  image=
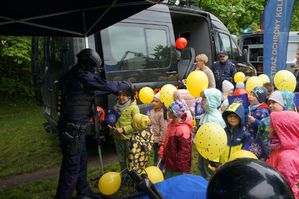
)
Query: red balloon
[
  {"x": 239, "y": 91},
  {"x": 181, "y": 43},
  {"x": 101, "y": 113}
]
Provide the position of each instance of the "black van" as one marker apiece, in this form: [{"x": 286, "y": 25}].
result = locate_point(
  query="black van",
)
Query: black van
[{"x": 140, "y": 49}]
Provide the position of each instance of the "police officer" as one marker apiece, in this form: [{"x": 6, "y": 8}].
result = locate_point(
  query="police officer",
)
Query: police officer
[
  {"x": 223, "y": 69},
  {"x": 78, "y": 86}
]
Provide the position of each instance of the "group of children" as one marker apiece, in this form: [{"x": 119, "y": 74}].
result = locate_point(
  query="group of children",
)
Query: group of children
[
  {"x": 168, "y": 135},
  {"x": 268, "y": 127}
]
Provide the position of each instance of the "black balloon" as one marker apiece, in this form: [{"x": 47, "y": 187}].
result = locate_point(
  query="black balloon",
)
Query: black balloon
[{"x": 248, "y": 179}]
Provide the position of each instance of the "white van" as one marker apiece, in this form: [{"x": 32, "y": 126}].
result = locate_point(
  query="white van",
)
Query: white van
[{"x": 254, "y": 44}]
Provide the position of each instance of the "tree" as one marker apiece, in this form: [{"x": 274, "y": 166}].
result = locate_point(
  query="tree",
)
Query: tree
[
  {"x": 295, "y": 17},
  {"x": 237, "y": 15},
  {"x": 15, "y": 66}
]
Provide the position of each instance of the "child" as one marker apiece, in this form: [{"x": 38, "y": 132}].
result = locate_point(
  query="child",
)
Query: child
[
  {"x": 227, "y": 90},
  {"x": 269, "y": 88},
  {"x": 184, "y": 95},
  {"x": 278, "y": 101},
  {"x": 140, "y": 144},
  {"x": 122, "y": 132},
  {"x": 158, "y": 125},
  {"x": 284, "y": 142},
  {"x": 236, "y": 131},
  {"x": 176, "y": 148},
  {"x": 258, "y": 110},
  {"x": 240, "y": 90},
  {"x": 211, "y": 100}
]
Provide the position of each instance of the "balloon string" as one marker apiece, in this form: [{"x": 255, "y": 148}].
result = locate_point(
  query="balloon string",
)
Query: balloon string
[
  {"x": 147, "y": 110},
  {"x": 123, "y": 170},
  {"x": 159, "y": 162}
]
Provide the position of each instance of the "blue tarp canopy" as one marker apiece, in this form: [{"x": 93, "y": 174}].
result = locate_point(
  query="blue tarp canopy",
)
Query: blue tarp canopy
[{"x": 65, "y": 18}]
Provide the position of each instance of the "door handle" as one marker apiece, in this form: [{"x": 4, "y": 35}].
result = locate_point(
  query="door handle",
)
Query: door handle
[{"x": 171, "y": 72}]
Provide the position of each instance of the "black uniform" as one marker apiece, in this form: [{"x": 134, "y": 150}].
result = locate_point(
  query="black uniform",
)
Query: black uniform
[
  {"x": 78, "y": 87},
  {"x": 223, "y": 71}
]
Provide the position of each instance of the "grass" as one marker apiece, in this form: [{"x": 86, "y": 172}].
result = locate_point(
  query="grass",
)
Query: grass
[
  {"x": 24, "y": 144},
  {"x": 46, "y": 187},
  {"x": 43, "y": 189}
]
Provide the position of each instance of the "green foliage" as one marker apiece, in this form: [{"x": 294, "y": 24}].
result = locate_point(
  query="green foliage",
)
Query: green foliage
[
  {"x": 15, "y": 86},
  {"x": 15, "y": 66},
  {"x": 295, "y": 17},
  {"x": 18, "y": 49},
  {"x": 238, "y": 15}
]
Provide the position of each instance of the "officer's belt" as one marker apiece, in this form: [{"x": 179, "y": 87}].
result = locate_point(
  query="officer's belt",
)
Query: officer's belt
[{"x": 76, "y": 127}]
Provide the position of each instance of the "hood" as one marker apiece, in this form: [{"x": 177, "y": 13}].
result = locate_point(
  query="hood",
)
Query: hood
[
  {"x": 140, "y": 121},
  {"x": 227, "y": 86},
  {"x": 284, "y": 98},
  {"x": 213, "y": 96},
  {"x": 236, "y": 108},
  {"x": 187, "y": 122},
  {"x": 288, "y": 100},
  {"x": 286, "y": 126}
]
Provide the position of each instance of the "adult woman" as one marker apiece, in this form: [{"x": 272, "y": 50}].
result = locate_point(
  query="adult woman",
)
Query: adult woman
[{"x": 201, "y": 61}]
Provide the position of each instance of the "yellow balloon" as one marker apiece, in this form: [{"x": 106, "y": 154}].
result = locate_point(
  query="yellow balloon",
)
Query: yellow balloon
[
  {"x": 166, "y": 94},
  {"x": 264, "y": 78},
  {"x": 109, "y": 183},
  {"x": 242, "y": 154},
  {"x": 210, "y": 140},
  {"x": 239, "y": 77},
  {"x": 146, "y": 95},
  {"x": 253, "y": 82},
  {"x": 285, "y": 80},
  {"x": 154, "y": 174},
  {"x": 197, "y": 81}
]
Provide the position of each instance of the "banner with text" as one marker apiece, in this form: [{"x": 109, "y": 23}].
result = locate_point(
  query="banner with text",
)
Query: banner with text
[{"x": 277, "y": 19}]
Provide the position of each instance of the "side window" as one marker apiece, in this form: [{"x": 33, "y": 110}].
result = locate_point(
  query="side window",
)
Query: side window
[
  {"x": 236, "y": 52},
  {"x": 225, "y": 44},
  {"x": 128, "y": 47},
  {"x": 156, "y": 40},
  {"x": 134, "y": 48}
]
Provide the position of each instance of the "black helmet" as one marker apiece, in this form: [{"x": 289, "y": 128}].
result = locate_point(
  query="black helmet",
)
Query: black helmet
[
  {"x": 89, "y": 59},
  {"x": 248, "y": 178}
]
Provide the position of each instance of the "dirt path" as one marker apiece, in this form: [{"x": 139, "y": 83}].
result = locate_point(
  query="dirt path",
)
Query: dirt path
[{"x": 12, "y": 181}]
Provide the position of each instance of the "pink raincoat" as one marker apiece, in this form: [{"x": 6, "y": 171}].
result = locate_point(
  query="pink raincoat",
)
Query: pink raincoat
[{"x": 284, "y": 156}]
